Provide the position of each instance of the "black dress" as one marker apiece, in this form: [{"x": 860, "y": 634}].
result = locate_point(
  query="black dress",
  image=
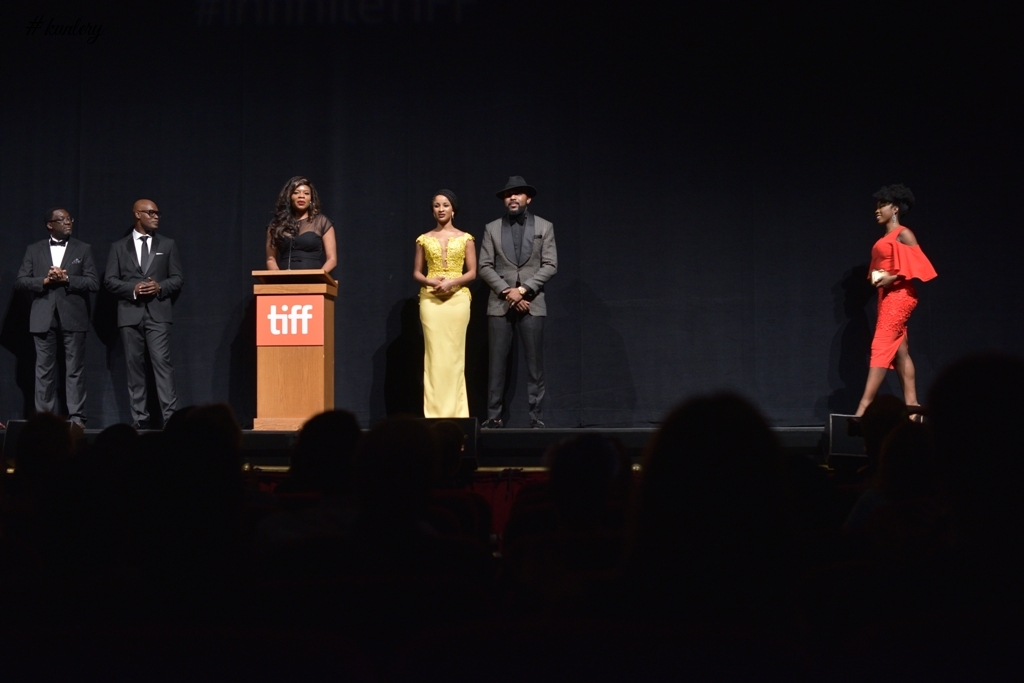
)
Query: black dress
[{"x": 306, "y": 249}]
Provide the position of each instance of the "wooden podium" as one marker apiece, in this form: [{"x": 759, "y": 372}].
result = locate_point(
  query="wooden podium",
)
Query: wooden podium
[{"x": 294, "y": 346}]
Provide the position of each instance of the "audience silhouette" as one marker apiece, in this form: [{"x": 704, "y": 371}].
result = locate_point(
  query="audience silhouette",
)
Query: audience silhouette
[{"x": 727, "y": 557}]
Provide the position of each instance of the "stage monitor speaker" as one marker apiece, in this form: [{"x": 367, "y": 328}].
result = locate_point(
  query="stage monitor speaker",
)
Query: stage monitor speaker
[{"x": 840, "y": 439}]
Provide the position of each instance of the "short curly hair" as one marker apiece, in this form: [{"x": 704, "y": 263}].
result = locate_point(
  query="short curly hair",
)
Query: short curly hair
[{"x": 899, "y": 195}]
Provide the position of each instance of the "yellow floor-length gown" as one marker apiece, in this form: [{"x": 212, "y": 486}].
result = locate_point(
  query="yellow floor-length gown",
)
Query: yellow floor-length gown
[{"x": 444, "y": 320}]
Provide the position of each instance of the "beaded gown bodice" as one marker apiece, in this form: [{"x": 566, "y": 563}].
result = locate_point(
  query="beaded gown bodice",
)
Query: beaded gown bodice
[{"x": 444, "y": 260}]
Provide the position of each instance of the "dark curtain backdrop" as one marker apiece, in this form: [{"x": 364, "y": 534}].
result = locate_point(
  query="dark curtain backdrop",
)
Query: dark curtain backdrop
[{"x": 709, "y": 173}]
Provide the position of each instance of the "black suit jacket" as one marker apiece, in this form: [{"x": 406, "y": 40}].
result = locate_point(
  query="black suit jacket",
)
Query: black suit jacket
[
  {"x": 124, "y": 271},
  {"x": 71, "y": 301}
]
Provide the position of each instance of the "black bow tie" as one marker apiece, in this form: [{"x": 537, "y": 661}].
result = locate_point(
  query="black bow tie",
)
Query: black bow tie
[
  {"x": 58, "y": 243},
  {"x": 520, "y": 219}
]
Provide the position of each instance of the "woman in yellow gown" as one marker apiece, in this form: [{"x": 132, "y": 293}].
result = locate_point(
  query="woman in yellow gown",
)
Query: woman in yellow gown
[{"x": 445, "y": 263}]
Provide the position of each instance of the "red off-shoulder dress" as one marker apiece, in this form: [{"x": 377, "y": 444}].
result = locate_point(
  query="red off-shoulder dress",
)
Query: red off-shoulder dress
[{"x": 898, "y": 300}]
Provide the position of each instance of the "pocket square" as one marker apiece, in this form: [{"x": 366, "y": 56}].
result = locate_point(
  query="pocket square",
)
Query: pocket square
[
  {"x": 77, "y": 260},
  {"x": 158, "y": 253}
]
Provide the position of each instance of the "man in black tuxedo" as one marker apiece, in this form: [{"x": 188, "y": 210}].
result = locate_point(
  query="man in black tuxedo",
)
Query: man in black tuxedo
[
  {"x": 143, "y": 272},
  {"x": 59, "y": 273}
]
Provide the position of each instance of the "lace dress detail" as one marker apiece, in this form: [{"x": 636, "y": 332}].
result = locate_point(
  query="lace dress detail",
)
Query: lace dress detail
[{"x": 441, "y": 262}]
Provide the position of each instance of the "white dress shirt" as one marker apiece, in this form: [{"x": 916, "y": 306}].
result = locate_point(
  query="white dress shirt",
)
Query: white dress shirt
[
  {"x": 137, "y": 236},
  {"x": 57, "y": 253}
]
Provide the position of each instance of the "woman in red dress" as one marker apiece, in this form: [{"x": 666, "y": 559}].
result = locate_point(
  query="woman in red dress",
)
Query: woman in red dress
[{"x": 895, "y": 259}]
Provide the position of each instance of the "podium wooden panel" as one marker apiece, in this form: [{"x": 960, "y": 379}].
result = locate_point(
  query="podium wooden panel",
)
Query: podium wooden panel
[{"x": 294, "y": 383}]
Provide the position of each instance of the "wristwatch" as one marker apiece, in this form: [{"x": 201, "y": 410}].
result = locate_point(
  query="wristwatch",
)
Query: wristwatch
[{"x": 522, "y": 290}]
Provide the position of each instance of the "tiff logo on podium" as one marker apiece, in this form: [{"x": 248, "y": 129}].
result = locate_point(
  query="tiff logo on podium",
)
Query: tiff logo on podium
[
  {"x": 294, "y": 317},
  {"x": 290, "y": 320}
]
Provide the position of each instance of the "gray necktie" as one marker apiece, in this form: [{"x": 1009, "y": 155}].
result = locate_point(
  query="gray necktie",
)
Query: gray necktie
[{"x": 145, "y": 252}]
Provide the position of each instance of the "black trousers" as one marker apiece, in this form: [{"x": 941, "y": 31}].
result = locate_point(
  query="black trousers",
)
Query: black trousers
[
  {"x": 154, "y": 337},
  {"x": 501, "y": 331},
  {"x": 46, "y": 370}
]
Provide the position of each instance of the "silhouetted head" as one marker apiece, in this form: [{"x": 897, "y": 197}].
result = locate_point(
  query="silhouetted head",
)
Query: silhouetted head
[
  {"x": 584, "y": 471},
  {"x": 713, "y": 487},
  {"x": 44, "y": 449},
  {"x": 880, "y": 418},
  {"x": 115, "y": 443},
  {"x": 208, "y": 451},
  {"x": 713, "y": 536},
  {"x": 325, "y": 450},
  {"x": 906, "y": 465},
  {"x": 395, "y": 469},
  {"x": 174, "y": 427},
  {"x": 451, "y": 444},
  {"x": 975, "y": 407}
]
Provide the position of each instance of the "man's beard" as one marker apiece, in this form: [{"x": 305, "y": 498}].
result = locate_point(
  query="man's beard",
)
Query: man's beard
[{"x": 516, "y": 212}]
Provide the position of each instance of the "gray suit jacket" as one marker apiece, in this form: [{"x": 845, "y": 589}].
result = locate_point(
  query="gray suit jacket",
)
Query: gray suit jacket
[
  {"x": 124, "y": 271},
  {"x": 500, "y": 267},
  {"x": 72, "y": 301}
]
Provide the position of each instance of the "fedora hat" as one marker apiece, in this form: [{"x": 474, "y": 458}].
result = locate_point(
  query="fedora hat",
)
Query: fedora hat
[{"x": 516, "y": 182}]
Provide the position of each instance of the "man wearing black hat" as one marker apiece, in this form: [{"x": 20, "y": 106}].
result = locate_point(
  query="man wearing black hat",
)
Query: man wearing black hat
[
  {"x": 517, "y": 256},
  {"x": 59, "y": 273}
]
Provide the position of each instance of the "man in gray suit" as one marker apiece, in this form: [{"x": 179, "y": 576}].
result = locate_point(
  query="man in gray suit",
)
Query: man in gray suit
[
  {"x": 517, "y": 256},
  {"x": 144, "y": 272},
  {"x": 59, "y": 273}
]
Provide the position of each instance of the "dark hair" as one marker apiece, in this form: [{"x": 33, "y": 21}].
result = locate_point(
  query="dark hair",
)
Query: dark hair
[
  {"x": 583, "y": 472},
  {"x": 906, "y": 466},
  {"x": 285, "y": 222},
  {"x": 53, "y": 210},
  {"x": 394, "y": 467},
  {"x": 451, "y": 442},
  {"x": 898, "y": 195},
  {"x": 712, "y": 507},
  {"x": 884, "y": 414},
  {"x": 451, "y": 198},
  {"x": 975, "y": 405},
  {"x": 325, "y": 451},
  {"x": 43, "y": 450}
]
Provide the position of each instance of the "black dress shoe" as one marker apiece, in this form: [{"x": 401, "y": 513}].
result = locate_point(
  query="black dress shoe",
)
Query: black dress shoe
[
  {"x": 140, "y": 424},
  {"x": 492, "y": 424},
  {"x": 536, "y": 424}
]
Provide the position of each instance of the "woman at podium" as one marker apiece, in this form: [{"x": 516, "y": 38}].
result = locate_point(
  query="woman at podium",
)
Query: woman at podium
[
  {"x": 300, "y": 237},
  {"x": 445, "y": 262}
]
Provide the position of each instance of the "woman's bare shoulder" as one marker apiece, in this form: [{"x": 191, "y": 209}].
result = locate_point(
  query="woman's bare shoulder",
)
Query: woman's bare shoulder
[{"x": 907, "y": 237}]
